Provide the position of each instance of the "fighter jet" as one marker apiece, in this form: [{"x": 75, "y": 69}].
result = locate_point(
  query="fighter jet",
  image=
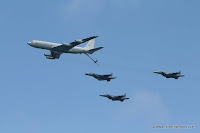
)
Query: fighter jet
[
  {"x": 57, "y": 49},
  {"x": 101, "y": 77},
  {"x": 115, "y": 98},
  {"x": 175, "y": 75}
]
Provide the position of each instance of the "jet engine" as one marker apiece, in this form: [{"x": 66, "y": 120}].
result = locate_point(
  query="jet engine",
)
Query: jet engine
[
  {"x": 49, "y": 56},
  {"x": 79, "y": 41}
]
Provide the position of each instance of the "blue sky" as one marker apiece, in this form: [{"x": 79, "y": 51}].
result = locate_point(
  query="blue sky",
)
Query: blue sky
[{"x": 138, "y": 36}]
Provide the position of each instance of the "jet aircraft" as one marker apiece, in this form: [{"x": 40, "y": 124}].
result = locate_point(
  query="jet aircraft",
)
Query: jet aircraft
[
  {"x": 101, "y": 77},
  {"x": 175, "y": 75},
  {"x": 57, "y": 49},
  {"x": 115, "y": 98}
]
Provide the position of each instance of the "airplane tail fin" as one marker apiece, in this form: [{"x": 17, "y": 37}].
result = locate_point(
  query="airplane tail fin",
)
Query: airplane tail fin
[
  {"x": 125, "y": 96},
  {"x": 180, "y": 74},
  {"x": 90, "y": 44},
  {"x": 91, "y": 51}
]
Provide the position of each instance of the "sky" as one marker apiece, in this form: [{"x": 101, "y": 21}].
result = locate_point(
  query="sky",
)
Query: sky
[{"x": 139, "y": 36}]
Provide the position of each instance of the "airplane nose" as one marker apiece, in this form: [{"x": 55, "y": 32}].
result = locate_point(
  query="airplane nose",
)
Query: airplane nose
[
  {"x": 28, "y": 43},
  {"x": 103, "y": 95},
  {"x": 157, "y": 72},
  {"x": 89, "y": 74}
]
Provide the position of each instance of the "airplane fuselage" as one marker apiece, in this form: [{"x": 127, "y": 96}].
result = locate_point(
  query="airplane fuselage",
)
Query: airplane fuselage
[
  {"x": 115, "y": 98},
  {"x": 50, "y": 45},
  {"x": 169, "y": 75},
  {"x": 101, "y": 77}
]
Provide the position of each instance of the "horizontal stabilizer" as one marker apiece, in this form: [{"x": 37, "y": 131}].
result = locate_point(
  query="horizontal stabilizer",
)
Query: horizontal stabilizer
[{"x": 91, "y": 51}]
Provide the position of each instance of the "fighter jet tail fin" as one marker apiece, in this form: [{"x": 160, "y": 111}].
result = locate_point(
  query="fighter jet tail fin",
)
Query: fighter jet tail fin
[
  {"x": 180, "y": 74},
  {"x": 111, "y": 76},
  {"x": 90, "y": 44}
]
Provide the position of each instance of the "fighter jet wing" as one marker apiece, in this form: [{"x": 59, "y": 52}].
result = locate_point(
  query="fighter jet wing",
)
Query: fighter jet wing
[
  {"x": 119, "y": 96},
  {"x": 174, "y": 73},
  {"x": 70, "y": 45},
  {"x": 107, "y": 75}
]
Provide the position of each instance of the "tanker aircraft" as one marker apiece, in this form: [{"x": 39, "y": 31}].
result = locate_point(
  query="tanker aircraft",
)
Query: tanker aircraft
[{"x": 57, "y": 49}]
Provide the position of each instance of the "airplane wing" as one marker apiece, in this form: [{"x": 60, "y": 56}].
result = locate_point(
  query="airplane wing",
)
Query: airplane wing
[
  {"x": 106, "y": 75},
  {"x": 70, "y": 45},
  {"x": 174, "y": 73},
  {"x": 119, "y": 96}
]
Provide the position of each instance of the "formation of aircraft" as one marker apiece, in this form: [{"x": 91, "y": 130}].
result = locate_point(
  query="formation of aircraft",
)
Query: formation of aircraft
[
  {"x": 107, "y": 77},
  {"x": 115, "y": 98},
  {"x": 57, "y": 49},
  {"x": 175, "y": 75}
]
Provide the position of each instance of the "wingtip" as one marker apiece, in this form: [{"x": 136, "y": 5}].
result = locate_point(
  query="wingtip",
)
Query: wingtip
[{"x": 95, "y": 36}]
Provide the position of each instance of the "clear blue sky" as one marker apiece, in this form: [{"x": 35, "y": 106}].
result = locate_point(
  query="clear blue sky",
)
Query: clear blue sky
[{"x": 139, "y": 36}]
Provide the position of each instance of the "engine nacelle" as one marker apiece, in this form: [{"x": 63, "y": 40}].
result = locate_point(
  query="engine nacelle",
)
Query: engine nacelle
[
  {"x": 47, "y": 54},
  {"x": 79, "y": 41},
  {"x": 50, "y": 57}
]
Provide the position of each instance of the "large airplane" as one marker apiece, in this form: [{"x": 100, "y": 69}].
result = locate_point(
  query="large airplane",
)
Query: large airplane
[
  {"x": 57, "y": 49},
  {"x": 115, "y": 98},
  {"x": 175, "y": 75},
  {"x": 107, "y": 77}
]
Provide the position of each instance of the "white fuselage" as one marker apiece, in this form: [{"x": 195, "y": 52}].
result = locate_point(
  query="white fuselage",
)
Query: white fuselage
[{"x": 50, "y": 45}]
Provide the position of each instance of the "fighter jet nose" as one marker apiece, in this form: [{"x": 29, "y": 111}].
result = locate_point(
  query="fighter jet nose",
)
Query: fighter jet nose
[
  {"x": 29, "y": 43},
  {"x": 89, "y": 74},
  {"x": 156, "y": 72},
  {"x": 103, "y": 95}
]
